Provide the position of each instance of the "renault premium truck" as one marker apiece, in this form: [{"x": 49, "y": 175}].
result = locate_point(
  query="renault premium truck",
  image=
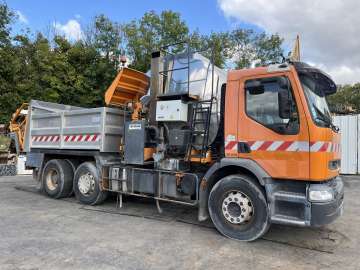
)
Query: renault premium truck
[{"x": 247, "y": 148}]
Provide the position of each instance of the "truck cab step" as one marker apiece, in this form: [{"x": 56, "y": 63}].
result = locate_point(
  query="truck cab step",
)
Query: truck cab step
[
  {"x": 288, "y": 220},
  {"x": 290, "y": 196}
]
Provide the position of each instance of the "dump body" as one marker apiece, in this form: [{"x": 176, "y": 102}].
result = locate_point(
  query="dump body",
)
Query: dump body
[{"x": 56, "y": 126}]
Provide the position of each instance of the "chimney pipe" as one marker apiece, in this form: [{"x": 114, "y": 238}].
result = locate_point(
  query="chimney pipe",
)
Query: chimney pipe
[{"x": 155, "y": 84}]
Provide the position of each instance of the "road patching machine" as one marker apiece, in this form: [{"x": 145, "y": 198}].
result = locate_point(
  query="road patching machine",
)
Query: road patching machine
[{"x": 247, "y": 148}]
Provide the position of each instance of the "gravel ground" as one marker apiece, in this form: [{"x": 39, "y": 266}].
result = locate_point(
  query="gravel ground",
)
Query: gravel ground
[{"x": 37, "y": 232}]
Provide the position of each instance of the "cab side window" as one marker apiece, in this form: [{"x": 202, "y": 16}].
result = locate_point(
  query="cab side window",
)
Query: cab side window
[{"x": 270, "y": 102}]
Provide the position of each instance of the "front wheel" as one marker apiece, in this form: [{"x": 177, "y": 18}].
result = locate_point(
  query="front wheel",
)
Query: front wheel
[
  {"x": 87, "y": 184},
  {"x": 238, "y": 208}
]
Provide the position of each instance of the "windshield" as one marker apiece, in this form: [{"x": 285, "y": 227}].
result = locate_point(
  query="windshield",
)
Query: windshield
[{"x": 316, "y": 99}]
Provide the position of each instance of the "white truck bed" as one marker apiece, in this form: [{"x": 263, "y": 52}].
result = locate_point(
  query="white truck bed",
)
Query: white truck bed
[{"x": 57, "y": 126}]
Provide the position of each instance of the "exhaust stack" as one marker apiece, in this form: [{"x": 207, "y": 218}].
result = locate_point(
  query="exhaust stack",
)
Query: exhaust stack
[{"x": 156, "y": 83}]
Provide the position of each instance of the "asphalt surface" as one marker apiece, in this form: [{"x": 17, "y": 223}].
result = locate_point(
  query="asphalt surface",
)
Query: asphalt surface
[{"x": 37, "y": 232}]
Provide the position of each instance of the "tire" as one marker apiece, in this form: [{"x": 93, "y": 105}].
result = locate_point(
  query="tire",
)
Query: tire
[
  {"x": 87, "y": 185},
  {"x": 74, "y": 164},
  {"x": 238, "y": 208},
  {"x": 57, "y": 178}
]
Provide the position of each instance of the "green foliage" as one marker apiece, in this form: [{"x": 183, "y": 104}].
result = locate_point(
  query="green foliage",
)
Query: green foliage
[
  {"x": 248, "y": 46},
  {"x": 150, "y": 33},
  {"x": 346, "y": 99},
  {"x": 6, "y": 17},
  {"x": 105, "y": 36},
  {"x": 218, "y": 45},
  {"x": 8, "y": 63},
  {"x": 78, "y": 73}
]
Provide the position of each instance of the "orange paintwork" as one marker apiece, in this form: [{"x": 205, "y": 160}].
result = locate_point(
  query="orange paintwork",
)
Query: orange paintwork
[
  {"x": 208, "y": 158},
  {"x": 129, "y": 86},
  {"x": 278, "y": 164},
  {"x": 319, "y": 161},
  {"x": 148, "y": 153},
  {"x": 137, "y": 108}
]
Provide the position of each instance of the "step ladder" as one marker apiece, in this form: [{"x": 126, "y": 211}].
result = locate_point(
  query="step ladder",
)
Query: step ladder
[
  {"x": 294, "y": 199},
  {"x": 199, "y": 127}
]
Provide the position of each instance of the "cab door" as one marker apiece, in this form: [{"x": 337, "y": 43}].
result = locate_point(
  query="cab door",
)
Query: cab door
[{"x": 272, "y": 128}]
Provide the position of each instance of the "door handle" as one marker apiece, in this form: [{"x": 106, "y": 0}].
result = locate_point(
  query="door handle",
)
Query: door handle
[{"x": 244, "y": 147}]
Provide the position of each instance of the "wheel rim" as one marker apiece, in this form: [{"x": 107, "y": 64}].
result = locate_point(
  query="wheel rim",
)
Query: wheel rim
[
  {"x": 86, "y": 184},
  {"x": 52, "y": 179},
  {"x": 237, "y": 207}
]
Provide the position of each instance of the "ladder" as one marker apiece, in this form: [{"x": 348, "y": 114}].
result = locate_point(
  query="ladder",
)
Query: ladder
[{"x": 199, "y": 127}]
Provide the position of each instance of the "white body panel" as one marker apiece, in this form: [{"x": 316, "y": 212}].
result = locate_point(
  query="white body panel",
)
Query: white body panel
[{"x": 171, "y": 110}]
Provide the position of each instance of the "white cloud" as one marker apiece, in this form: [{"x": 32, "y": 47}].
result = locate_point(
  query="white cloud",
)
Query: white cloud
[
  {"x": 71, "y": 30},
  {"x": 22, "y": 17},
  {"x": 344, "y": 74},
  {"x": 328, "y": 29}
]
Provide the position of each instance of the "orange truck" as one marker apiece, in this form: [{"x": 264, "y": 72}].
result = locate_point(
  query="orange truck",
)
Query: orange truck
[{"x": 247, "y": 148}]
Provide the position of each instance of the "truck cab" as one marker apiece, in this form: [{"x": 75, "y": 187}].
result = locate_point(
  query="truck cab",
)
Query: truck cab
[
  {"x": 278, "y": 129},
  {"x": 282, "y": 121}
]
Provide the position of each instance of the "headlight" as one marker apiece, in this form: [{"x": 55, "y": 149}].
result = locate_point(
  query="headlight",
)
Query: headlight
[{"x": 320, "y": 193}]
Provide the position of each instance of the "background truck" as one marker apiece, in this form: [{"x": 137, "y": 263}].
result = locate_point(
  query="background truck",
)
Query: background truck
[
  {"x": 12, "y": 142},
  {"x": 248, "y": 148},
  {"x": 7, "y": 156}
]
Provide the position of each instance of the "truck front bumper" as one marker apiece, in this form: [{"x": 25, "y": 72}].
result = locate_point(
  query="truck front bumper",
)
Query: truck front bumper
[{"x": 323, "y": 213}]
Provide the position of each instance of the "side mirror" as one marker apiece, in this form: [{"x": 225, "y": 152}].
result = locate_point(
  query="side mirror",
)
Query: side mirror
[
  {"x": 284, "y": 100},
  {"x": 254, "y": 87}
]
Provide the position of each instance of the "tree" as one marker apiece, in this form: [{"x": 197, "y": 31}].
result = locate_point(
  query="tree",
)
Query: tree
[
  {"x": 106, "y": 37},
  {"x": 248, "y": 46},
  {"x": 346, "y": 99},
  {"x": 55, "y": 69},
  {"x": 8, "y": 64},
  {"x": 7, "y": 16},
  {"x": 216, "y": 45},
  {"x": 152, "y": 32}
]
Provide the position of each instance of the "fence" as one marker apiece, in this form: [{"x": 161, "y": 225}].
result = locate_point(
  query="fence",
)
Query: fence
[{"x": 350, "y": 143}]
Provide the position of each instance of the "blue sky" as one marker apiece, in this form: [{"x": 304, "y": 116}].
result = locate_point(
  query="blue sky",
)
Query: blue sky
[{"x": 204, "y": 15}]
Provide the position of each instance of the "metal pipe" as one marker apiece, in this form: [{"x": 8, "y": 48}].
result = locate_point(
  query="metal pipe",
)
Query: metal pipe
[{"x": 155, "y": 85}]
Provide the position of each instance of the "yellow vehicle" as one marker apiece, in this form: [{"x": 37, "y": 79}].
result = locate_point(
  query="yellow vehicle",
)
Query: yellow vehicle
[{"x": 17, "y": 126}]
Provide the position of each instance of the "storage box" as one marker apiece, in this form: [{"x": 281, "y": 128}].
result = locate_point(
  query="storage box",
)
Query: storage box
[{"x": 171, "y": 110}]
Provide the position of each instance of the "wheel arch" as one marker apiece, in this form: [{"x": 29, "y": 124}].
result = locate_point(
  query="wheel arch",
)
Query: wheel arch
[{"x": 219, "y": 170}]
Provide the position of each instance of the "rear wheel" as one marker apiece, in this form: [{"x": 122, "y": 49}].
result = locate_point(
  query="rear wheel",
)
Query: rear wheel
[
  {"x": 87, "y": 184},
  {"x": 57, "y": 178},
  {"x": 238, "y": 208},
  {"x": 74, "y": 164}
]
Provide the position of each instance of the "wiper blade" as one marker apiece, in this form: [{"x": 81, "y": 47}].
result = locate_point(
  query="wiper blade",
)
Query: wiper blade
[
  {"x": 321, "y": 116},
  {"x": 327, "y": 120}
]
